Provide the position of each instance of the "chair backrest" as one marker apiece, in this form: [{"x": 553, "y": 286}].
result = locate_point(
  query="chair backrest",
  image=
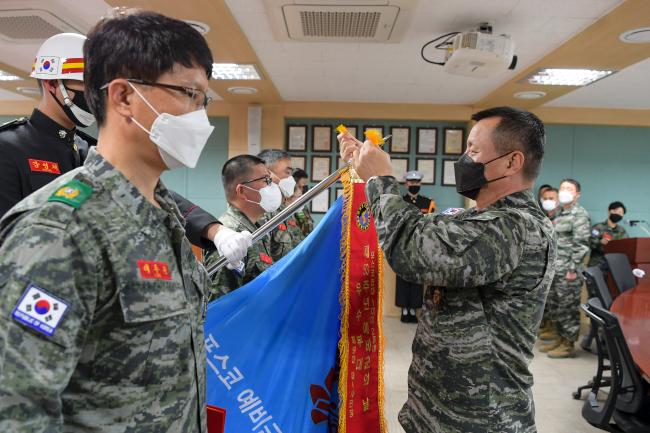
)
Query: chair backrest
[
  {"x": 595, "y": 412},
  {"x": 619, "y": 266},
  {"x": 597, "y": 285},
  {"x": 629, "y": 388}
]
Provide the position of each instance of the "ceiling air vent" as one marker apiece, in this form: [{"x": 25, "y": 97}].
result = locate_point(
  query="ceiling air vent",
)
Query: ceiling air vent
[
  {"x": 31, "y": 25},
  {"x": 338, "y": 20}
]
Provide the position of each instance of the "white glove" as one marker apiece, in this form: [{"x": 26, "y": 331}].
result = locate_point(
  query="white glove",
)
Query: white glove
[
  {"x": 639, "y": 273},
  {"x": 233, "y": 246}
]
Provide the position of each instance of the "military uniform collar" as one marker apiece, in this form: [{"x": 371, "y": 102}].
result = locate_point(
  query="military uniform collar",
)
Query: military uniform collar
[
  {"x": 519, "y": 199},
  {"x": 49, "y": 127},
  {"x": 129, "y": 198},
  {"x": 240, "y": 216}
]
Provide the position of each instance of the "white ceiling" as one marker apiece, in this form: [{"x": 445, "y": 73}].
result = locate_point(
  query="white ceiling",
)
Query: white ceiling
[
  {"x": 80, "y": 14},
  {"x": 629, "y": 88},
  {"x": 395, "y": 73}
]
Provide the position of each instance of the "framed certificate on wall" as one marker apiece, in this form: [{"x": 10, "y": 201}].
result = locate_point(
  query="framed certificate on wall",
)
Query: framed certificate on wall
[
  {"x": 448, "y": 175},
  {"x": 454, "y": 141},
  {"x": 379, "y": 129},
  {"x": 298, "y": 162},
  {"x": 400, "y": 167},
  {"x": 428, "y": 169},
  {"x": 427, "y": 141},
  {"x": 321, "y": 202},
  {"x": 399, "y": 142},
  {"x": 322, "y": 138},
  {"x": 320, "y": 168},
  {"x": 297, "y": 137}
]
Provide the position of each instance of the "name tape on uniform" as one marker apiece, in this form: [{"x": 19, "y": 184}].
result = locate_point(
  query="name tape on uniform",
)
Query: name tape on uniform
[{"x": 40, "y": 310}]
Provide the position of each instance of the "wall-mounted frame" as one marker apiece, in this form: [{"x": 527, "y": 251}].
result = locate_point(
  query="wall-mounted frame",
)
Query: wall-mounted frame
[
  {"x": 454, "y": 141},
  {"x": 298, "y": 162},
  {"x": 379, "y": 129},
  {"x": 321, "y": 138},
  {"x": 448, "y": 175},
  {"x": 352, "y": 130},
  {"x": 320, "y": 167},
  {"x": 427, "y": 141},
  {"x": 297, "y": 138},
  {"x": 400, "y": 167},
  {"x": 427, "y": 167},
  {"x": 321, "y": 202},
  {"x": 400, "y": 140}
]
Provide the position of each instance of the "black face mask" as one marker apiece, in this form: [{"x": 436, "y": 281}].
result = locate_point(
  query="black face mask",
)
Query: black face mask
[
  {"x": 414, "y": 189},
  {"x": 305, "y": 188},
  {"x": 615, "y": 218},
  {"x": 79, "y": 100},
  {"x": 470, "y": 175}
]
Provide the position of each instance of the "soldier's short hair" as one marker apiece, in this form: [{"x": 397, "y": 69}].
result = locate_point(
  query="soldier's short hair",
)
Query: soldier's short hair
[
  {"x": 271, "y": 156},
  {"x": 615, "y": 205},
  {"x": 572, "y": 182},
  {"x": 518, "y": 130},
  {"x": 299, "y": 173},
  {"x": 142, "y": 45},
  {"x": 237, "y": 170}
]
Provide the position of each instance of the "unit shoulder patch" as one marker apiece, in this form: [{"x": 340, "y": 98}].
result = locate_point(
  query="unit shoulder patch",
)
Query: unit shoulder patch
[
  {"x": 452, "y": 211},
  {"x": 73, "y": 193}
]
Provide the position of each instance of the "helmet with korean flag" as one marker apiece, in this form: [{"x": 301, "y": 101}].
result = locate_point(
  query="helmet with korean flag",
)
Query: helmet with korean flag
[{"x": 60, "y": 57}]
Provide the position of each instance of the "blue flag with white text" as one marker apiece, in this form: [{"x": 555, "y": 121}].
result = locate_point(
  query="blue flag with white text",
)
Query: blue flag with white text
[{"x": 271, "y": 344}]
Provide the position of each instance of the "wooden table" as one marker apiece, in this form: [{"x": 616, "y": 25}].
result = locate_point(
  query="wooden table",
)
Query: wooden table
[{"x": 633, "y": 311}]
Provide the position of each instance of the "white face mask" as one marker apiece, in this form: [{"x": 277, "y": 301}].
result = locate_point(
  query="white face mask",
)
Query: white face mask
[
  {"x": 548, "y": 205},
  {"x": 270, "y": 197},
  {"x": 566, "y": 197},
  {"x": 287, "y": 186},
  {"x": 180, "y": 139}
]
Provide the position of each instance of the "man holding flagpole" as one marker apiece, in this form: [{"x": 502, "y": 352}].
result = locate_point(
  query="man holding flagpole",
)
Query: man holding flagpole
[{"x": 488, "y": 268}]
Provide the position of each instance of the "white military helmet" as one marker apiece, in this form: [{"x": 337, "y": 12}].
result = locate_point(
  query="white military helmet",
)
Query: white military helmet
[{"x": 60, "y": 57}]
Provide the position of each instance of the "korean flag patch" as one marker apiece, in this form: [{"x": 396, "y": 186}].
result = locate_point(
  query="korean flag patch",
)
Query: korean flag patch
[
  {"x": 595, "y": 232},
  {"x": 452, "y": 211},
  {"x": 40, "y": 310}
]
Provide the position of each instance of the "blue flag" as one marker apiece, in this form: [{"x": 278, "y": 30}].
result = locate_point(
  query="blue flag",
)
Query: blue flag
[{"x": 271, "y": 345}]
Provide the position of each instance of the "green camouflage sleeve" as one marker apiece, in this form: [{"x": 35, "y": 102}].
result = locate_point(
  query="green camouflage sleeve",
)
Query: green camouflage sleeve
[
  {"x": 224, "y": 281},
  {"x": 281, "y": 242},
  {"x": 44, "y": 274},
  {"x": 432, "y": 249},
  {"x": 580, "y": 245}
]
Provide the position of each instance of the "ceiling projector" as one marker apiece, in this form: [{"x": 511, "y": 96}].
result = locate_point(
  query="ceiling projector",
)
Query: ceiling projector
[{"x": 477, "y": 54}]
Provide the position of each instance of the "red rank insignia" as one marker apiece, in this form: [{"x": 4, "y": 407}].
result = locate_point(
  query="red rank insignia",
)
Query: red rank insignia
[
  {"x": 150, "y": 270},
  {"x": 292, "y": 223},
  {"x": 282, "y": 227},
  {"x": 266, "y": 259},
  {"x": 44, "y": 166}
]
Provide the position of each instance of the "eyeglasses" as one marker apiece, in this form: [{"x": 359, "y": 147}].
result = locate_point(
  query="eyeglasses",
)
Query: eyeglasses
[
  {"x": 198, "y": 97},
  {"x": 266, "y": 179}
]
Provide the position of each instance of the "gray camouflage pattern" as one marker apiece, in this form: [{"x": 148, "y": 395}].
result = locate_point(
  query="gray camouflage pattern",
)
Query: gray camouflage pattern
[
  {"x": 572, "y": 235},
  {"x": 474, "y": 342},
  {"x": 285, "y": 237},
  {"x": 128, "y": 354},
  {"x": 256, "y": 260}
]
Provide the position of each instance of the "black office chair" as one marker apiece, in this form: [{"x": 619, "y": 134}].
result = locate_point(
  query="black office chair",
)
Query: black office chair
[
  {"x": 619, "y": 266},
  {"x": 626, "y": 400},
  {"x": 596, "y": 284}
]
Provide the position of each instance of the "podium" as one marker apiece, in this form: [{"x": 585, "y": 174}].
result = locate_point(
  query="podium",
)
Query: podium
[{"x": 637, "y": 251}]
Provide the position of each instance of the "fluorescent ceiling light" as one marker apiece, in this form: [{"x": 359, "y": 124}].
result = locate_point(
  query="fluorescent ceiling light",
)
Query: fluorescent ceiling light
[
  {"x": 6, "y": 76},
  {"x": 567, "y": 77},
  {"x": 234, "y": 71}
]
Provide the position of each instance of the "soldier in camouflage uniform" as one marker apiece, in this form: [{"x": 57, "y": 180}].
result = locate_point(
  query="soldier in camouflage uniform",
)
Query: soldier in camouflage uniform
[
  {"x": 283, "y": 238},
  {"x": 490, "y": 270},
  {"x": 303, "y": 217},
  {"x": 550, "y": 204},
  {"x": 572, "y": 235},
  {"x": 603, "y": 233},
  {"x": 103, "y": 300},
  {"x": 250, "y": 193}
]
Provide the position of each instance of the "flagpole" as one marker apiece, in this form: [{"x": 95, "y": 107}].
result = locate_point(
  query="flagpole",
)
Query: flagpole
[{"x": 284, "y": 214}]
